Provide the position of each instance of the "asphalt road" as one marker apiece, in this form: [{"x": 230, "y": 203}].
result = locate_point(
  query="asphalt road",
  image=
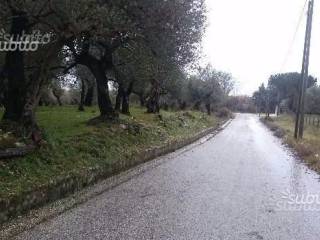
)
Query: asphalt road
[{"x": 237, "y": 185}]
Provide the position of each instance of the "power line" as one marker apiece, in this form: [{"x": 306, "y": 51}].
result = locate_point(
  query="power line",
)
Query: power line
[{"x": 294, "y": 36}]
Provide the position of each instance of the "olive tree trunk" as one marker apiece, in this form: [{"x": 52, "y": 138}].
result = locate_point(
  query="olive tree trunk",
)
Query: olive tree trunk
[{"x": 153, "y": 105}]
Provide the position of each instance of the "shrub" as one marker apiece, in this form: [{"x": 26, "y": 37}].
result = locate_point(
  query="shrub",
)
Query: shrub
[
  {"x": 224, "y": 113},
  {"x": 304, "y": 150},
  {"x": 280, "y": 133}
]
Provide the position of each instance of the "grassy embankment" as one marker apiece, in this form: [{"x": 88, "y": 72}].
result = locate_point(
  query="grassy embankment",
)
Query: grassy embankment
[
  {"x": 308, "y": 148},
  {"x": 73, "y": 146}
]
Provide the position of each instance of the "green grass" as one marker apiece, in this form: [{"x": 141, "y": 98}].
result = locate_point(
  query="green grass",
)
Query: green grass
[
  {"x": 309, "y": 147},
  {"x": 73, "y": 146}
]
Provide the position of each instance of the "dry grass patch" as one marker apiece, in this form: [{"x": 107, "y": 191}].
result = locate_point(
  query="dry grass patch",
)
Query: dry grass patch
[{"x": 308, "y": 148}]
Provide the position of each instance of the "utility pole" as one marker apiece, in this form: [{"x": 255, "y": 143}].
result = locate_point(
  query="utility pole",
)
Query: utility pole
[{"x": 299, "y": 126}]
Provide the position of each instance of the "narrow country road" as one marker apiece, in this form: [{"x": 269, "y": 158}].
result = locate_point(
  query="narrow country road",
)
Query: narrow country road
[{"x": 233, "y": 186}]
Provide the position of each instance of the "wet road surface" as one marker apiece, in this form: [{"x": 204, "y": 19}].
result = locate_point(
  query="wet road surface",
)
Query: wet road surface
[{"x": 235, "y": 186}]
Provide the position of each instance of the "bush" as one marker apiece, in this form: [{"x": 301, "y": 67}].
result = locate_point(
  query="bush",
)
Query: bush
[
  {"x": 224, "y": 113},
  {"x": 304, "y": 150},
  {"x": 280, "y": 133},
  {"x": 277, "y": 131}
]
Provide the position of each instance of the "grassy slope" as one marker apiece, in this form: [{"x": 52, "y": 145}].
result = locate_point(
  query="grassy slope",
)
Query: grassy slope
[
  {"x": 309, "y": 147},
  {"x": 74, "y": 147}
]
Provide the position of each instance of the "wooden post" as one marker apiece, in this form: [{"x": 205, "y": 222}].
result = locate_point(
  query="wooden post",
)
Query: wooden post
[
  {"x": 306, "y": 73},
  {"x": 299, "y": 125}
]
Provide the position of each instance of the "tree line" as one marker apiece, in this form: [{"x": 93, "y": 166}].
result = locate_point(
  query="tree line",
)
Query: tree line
[
  {"x": 282, "y": 94},
  {"x": 99, "y": 48}
]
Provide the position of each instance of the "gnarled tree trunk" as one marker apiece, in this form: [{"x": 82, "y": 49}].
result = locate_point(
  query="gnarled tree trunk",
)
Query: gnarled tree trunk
[
  {"x": 142, "y": 100},
  {"x": 58, "y": 97},
  {"x": 126, "y": 99},
  {"x": 15, "y": 91},
  {"x": 22, "y": 94},
  {"x": 125, "y": 104},
  {"x": 82, "y": 95},
  {"x": 122, "y": 100},
  {"x": 197, "y": 105},
  {"x": 182, "y": 105},
  {"x": 154, "y": 97},
  {"x": 89, "y": 96},
  {"x": 104, "y": 101},
  {"x": 208, "y": 108},
  {"x": 119, "y": 98},
  {"x": 98, "y": 69}
]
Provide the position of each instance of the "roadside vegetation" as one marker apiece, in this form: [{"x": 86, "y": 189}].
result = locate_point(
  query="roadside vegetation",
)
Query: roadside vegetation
[
  {"x": 282, "y": 93},
  {"x": 73, "y": 147},
  {"x": 280, "y": 97},
  {"x": 307, "y": 148},
  {"x": 104, "y": 54},
  {"x": 112, "y": 79}
]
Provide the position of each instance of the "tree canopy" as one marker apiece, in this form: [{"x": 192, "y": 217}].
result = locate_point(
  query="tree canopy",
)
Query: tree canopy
[{"x": 105, "y": 52}]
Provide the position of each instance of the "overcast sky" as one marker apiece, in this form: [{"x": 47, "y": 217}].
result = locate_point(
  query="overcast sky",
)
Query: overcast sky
[{"x": 250, "y": 39}]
